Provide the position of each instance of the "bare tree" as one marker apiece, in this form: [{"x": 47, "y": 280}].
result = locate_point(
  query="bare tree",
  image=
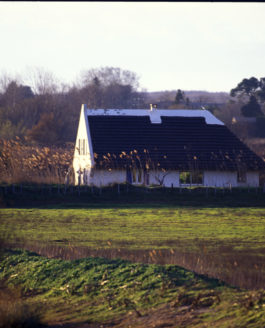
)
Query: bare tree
[
  {"x": 6, "y": 79},
  {"x": 42, "y": 81},
  {"x": 110, "y": 75}
]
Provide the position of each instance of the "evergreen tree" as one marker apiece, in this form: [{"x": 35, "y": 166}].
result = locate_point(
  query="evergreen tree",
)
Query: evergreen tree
[
  {"x": 179, "y": 99},
  {"x": 252, "y": 108}
]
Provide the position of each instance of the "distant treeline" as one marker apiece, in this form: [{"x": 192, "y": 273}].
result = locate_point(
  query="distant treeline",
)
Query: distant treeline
[
  {"x": 42, "y": 111},
  {"x": 48, "y": 113}
]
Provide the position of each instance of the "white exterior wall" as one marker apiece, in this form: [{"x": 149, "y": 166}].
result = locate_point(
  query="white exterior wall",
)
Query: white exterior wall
[
  {"x": 252, "y": 179},
  {"x": 169, "y": 178},
  {"x": 104, "y": 178},
  {"x": 100, "y": 178},
  {"x": 227, "y": 179},
  {"x": 220, "y": 179}
]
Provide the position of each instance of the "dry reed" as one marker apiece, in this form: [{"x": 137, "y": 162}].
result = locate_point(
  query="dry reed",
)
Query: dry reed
[{"x": 20, "y": 163}]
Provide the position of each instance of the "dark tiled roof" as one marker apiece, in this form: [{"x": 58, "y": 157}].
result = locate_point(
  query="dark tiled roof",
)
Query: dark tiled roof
[{"x": 181, "y": 143}]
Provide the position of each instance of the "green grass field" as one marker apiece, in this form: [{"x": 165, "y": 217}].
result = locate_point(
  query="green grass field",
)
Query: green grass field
[{"x": 137, "y": 228}]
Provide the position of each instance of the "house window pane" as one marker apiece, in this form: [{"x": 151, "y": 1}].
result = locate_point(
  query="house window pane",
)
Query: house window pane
[
  {"x": 184, "y": 178},
  {"x": 140, "y": 175},
  {"x": 84, "y": 147},
  {"x": 128, "y": 176},
  {"x": 195, "y": 177},
  {"x": 146, "y": 178},
  {"x": 241, "y": 176},
  {"x": 134, "y": 175},
  {"x": 81, "y": 145}
]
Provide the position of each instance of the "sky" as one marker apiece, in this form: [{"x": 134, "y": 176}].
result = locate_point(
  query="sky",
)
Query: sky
[{"x": 170, "y": 45}]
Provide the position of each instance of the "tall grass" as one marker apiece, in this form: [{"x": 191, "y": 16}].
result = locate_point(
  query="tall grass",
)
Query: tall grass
[{"x": 20, "y": 163}]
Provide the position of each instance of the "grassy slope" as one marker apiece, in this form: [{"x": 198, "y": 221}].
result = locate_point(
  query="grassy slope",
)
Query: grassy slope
[{"x": 115, "y": 291}]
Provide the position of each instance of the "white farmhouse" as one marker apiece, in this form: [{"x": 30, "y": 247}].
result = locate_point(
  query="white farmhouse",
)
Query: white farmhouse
[{"x": 165, "y": 147}]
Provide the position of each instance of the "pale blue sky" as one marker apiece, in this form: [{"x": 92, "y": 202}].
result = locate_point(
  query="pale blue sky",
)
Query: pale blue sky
[{"x": 189, "y": 46}]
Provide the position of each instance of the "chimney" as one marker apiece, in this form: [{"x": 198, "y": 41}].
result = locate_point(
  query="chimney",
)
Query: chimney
[{"x": 152, "y": 106}]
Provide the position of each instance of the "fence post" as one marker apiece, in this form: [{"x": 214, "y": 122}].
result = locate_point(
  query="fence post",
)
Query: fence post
[{"x": 119, "y": 188}]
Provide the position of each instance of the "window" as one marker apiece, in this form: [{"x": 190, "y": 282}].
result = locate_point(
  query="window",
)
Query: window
[
  {"x": 195, "y": 177},
  {"x": 84, "y": 146},
  {"x": 140, "y": 174},
  {"x": 241, "y": 176},
  {"x": 81, "y": 146},
  {"x": 128, "y": 176},
  {"x": 184, "y": 178},
  {"x": 134, "y": 175},
  {"x": 146, "y": 178}
]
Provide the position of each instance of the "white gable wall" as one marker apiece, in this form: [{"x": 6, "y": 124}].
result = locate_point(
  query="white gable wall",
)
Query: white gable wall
[{"x": 85, "y": 159}]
